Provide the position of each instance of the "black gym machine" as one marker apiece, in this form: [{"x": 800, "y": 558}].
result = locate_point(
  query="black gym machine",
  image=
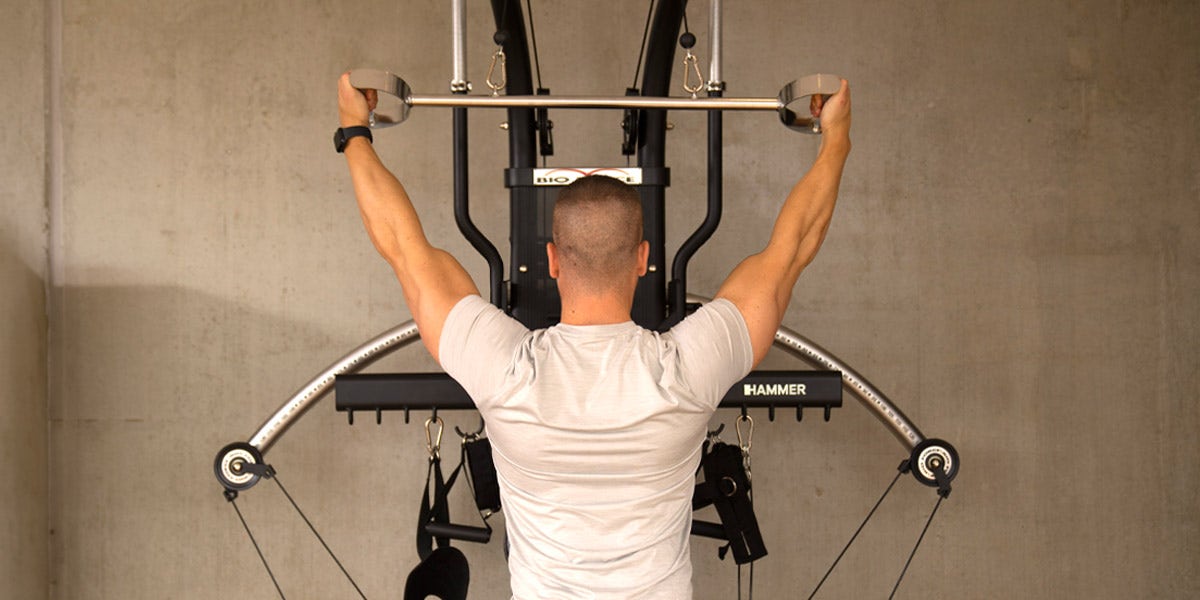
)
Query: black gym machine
[{"x": 530, "y": 295}]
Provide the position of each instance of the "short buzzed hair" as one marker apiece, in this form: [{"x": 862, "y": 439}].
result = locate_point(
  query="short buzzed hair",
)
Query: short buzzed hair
[{"x": 597, "y": 228}]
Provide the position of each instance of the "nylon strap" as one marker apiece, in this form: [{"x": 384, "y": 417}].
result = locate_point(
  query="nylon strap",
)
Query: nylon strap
[
  {"x": 437, "y": 512},
  {"x": 444, "y": 498}
]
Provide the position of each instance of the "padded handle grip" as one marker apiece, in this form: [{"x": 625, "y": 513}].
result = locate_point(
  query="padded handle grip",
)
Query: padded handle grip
[
  {"x": 466, "y": 533},
  {"x": 709, "y": 530}
]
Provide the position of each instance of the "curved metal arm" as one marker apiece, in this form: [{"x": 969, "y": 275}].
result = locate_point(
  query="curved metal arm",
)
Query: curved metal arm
[
  {"x": 870, "y": 396},
  {"x": 304, "y": 399},
  {"x": 406, "y": 333}
]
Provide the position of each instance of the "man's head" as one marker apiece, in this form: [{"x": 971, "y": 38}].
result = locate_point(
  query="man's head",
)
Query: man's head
[{"x": 598, "y": 234}]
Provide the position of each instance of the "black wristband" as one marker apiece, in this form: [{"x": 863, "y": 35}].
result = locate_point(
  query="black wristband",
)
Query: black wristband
[{"x": 343, "y": 135}]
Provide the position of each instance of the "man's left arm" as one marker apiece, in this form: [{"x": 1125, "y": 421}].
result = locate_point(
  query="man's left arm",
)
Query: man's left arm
[
  {"x": 433, "y": 281},
  {"x": 761, "y": 285}
]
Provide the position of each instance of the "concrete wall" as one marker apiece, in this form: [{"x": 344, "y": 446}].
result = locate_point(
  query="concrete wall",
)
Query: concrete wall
[
  {"x": 1013, "y": 261},
  {"x": 23, "y": 556}
]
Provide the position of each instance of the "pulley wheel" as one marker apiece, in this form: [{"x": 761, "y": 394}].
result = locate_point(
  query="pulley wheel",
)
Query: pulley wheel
[
  {"x": 931, "y": 455},
  {"x": 231, "y": 462}
]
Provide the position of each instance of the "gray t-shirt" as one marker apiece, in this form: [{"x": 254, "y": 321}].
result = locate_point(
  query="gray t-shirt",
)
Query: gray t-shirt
[{"x": 596, "y": 434}]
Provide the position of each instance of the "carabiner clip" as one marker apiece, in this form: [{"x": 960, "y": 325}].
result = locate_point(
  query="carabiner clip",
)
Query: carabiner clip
[
  {"x": 745, "y": 441},
  {"x": 691, "y": 61},
  {"x": 433, "y": 444},
  {"x": 496, "y": 87},
  {"x": 468, "y": 437}
]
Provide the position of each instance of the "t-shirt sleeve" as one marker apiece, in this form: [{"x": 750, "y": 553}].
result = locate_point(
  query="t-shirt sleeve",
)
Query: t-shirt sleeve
[
  {"x": 714, "y": 350},
  {"x": 477, "y": 346}
]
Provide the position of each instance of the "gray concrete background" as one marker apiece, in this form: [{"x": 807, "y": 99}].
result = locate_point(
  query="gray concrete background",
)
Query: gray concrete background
[
  {"x": 1009, "y": 262},
  {"x": 23, "y": 323}
]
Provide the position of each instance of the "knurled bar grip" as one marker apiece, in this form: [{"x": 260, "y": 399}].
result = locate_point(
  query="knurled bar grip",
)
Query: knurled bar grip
[{"x": 396, "y": 99}]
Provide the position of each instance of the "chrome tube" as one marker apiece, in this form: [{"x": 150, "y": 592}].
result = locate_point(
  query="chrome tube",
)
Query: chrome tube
[
  {"x": 870, "y": 396},
  {"x": 595, "y": 102},
  {"x": 715, "y": 83},
  {"x": 307, "y": 396},
  {"x": 396, "y": 98},
  {"x": 458, "y": 26}
]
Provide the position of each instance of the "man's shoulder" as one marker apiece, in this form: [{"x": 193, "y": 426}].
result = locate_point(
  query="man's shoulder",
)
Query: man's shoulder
[
  {"x": 715, "y": 334},
  {"x": 474, "y": 310},
  {"x": 720, "y": 312},
  {"x": 474, "y": 320}
]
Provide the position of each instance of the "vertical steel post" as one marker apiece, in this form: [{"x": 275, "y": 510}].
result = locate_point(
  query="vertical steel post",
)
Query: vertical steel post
[
  {"x": 715, "y": 83},
  {"x": 458, "y": 25}
]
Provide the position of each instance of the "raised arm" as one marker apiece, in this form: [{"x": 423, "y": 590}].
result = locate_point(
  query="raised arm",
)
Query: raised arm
[
  {"x": 761, "y": 285},
  {"x": 432, "y": 280}
]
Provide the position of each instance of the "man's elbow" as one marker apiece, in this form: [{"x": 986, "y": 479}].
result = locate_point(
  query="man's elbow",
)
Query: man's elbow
[
  {"x": 806, "y": 250},
  {"x": 389, "y": 246},
  {"x": 389, "y": 250}
]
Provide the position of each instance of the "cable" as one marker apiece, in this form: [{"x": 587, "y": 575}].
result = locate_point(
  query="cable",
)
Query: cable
[
  {"x": 257, "y": 549},
  {"x": 739, "y": 581},
  {"x": 537, "y": 64},
  {"x": 642, "y": 49},
  {"x": 319, "y": 538},
  {"x": 751, "y": 594},
  {"x": 914, "y": 550},
  {"x": 750, "y": 591},
  {"x": 856, "y": 532}
]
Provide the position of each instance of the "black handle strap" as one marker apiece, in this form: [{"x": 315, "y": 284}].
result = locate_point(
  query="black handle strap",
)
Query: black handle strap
[
  {"x": 436, "y": 512},
  {"x": 435, "y": 519},
  {"x": 727, "y": 487},
  {"x": 477, "y": 453}
]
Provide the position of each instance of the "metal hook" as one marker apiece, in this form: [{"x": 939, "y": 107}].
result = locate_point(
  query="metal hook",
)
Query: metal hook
[
  {"x": 434, "y": 444},
  {"x": 745, "y": 441},
  {"x": 496, "y": 87},
  {"x": 714, "y": 435},
  {"x": 472, "y": 436},
  {"x": 691, "y": 61}
]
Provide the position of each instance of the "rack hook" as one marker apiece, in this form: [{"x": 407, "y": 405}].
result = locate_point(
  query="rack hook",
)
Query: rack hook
[{"x": 472, "y": 435}]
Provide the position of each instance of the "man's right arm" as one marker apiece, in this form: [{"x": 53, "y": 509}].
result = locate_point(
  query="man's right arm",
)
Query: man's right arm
[
  {"x": 761, "y": 285},
  {"x": 432, "y": 280}
]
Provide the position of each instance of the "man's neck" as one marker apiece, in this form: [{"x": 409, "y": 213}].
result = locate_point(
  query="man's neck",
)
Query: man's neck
[{"x": 594, "y": 310}]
